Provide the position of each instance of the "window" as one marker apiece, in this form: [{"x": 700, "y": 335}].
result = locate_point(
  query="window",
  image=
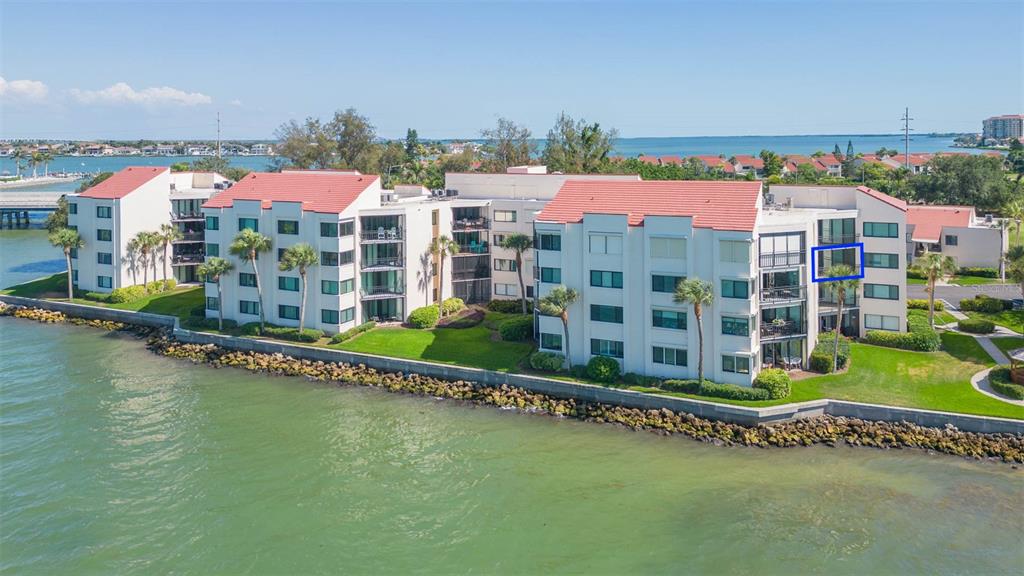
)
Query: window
[
  {"x": 497, "y": 239},
  {"x": 951, "y": 240},
  {"x": 346, "y": 286},
  {"x": 248, "y": 223},
  {"x": 287, "y": 227},
  {"x": 550, "y": 341},
  {"x": 288, "y": 312},
  {"x": 881, "y": 230},
  {"x": 329, "y": 230},
  {"x": 737, "y": 364},
  {"x": 551, "y": 275},
  {"x": 605, "y": 279},
  {"x": 347, "y": 228},
  {"x": 504, "y": 215},
  {"x": 103, "y": 235},
  {"x": 736, "y": 289},
  {"x": 328, "y": 258},
  {"x": 74, "y": 253},
  {"x": 602, "y": 313},
  {"x": 212, "y": 303},
  {"x": 735, "y": 326},
  {"x": 347, "y": 315},
  {"x": 734, "y": 251},
  {"x": 212, "y": 249},
  {"x": 673, "y": 319},
  {"x": 551, "y": 242},
  {"x": 72, "y": 208},
  {"x": 881, "y": 260},
  {"x": 329, "y": 287},
  {"x": 506, "y": 290},
  {"x": 280, "y": 254},
  {"x": 329, "y": 316},
  {"x": 346, "y": 257},
  {"x": 104, "y": 258},
  {"x": 103, "y": 211},
  {"x": 104, "y": 281},
  {"x": 288, "y": 283},
  {"x": 434, "y": 218},
  {"x": 72, "y": 227},
  {"x": 674, "y": 248},
  {"x": 504, "y": 265},
  {"x": 74, "y": 276},
  {"x": 882, "y": 291},
  {"x": 879, "y": 322},
  {"x": 611, "y": 348},
  {"x": 212, "y": 223},
  {"x": 247, "y": 279},
  {"x": 670, "y": 356},
  {"x": 605, "y": 244},
  {"x": 660, "y": 283}
]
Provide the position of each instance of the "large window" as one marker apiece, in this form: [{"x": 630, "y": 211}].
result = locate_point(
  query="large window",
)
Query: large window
[
  {"x": 288, "y": 312},
  {"x": 736, "y": 326},
  {"x": 288, "y": 283},
  {"x": 611, "y": 348},
  {"x": 212, "y": 303},
  {"x": 951, "y": 240},
  {"x": 737, "y": 364},
  {"x": 602, "y": 313},
  {"x": 212, "y": 249},
  {"x": 247, "y": 279},
  {"x": 329, "y": 230},
  {"x": 104, "y": 258},
  {"x": 506, "y": 289},
  {"x": 881, "y": 260},
  {"x": 347, "y": 228},
  {"x": 674, "y": 248},
  {"x": 881, "y": 230},
  {"x": 329, "y": 316},
  {"x": 328, "y": 258},
  {"x": 734, "y": 251},
  {"x": 346, "y": 286},
  {"x": 551, "y": 242},
  {"x": 103, "y": 235},
  {"x": 103, "y": 211},
  {"x": 605, "y": 244},
  {"x": 736, "y": 289},
  {"x": 670, "y": 356},
  {"x": 346, "y": 257},
  {"x": 104, "y": 281},
  {"x": 661, "y": 283},
  {"x": 290, "y": 227},
  {"x": 605, "y": 279},
  {"x": 248, "y": 223},
  {"x": 879, "y": 322},
  {"x": 550, "y": 341},
  {"x": 551, "y": 275},
  {"x": 882, "y": 291},
  {"x": 250, "y": 307},
  {"x": 329, "y": 287},
  {"x": 504, "y": 215},
  {"x": 212, "y": 223},
  {"x": 504, "y": 265},
  {"x": 673, "y": 319},
  {"x": 347, "y": 315}
]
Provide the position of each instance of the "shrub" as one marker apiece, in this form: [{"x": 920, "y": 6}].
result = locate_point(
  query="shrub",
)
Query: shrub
[
  {"x": 170, "y": 284},
  {"x": 208, "y": 323},
  {"x": 706, "y": 388},
  {"x": 920, "y": 340},
  {"x": 509, "y": 306},
  {"x": 983, "y": 303},
  {"x": 915, "y": 275},
  {"x": 979, "y": 272},
  {"x": 579, "y": 371},
  {"x": 603, "y": 369},
  {"x": 155, "y": 286},
  {"x": 250, "y": 329},
  {"x": 634, "y": 379},
  {"x": 821, "y": 356},
  {"x": 775, "y": 381},
  {"x": 821, "y": 362},
  {"x": 516, "y": 329},
  {"x": 976, "y": 326},
  {"x": 452, "y": 305},
  {"x": 293, "y": 334},
  {"x": 127, "y": 294},
  {"x": 97, "y": 296},
  {"x": 546, "y": 361},
  {"x": 1002, "y": 382},
  {"x": 425, "y": 317},
  {"x": 922, "y": 304},
  {"x": 353, "y": 332}
]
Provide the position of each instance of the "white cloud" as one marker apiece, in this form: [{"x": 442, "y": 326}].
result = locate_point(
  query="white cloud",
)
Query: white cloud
[
  {"x": 23, "y": 89},
  {"x": 236, "y": 102},
  {"x": 122, "y": 93}
]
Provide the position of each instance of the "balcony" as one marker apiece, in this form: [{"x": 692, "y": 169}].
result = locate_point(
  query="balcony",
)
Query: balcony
[
  {"x": 389, "y": 291},
  {"x": 471, "y": 224},
  {"x": 190, "y": 237},
  {"x": 186, "y": 259},
  {"x": 382, "y": 263},
  {"x": 838, "y": 239},
  {"x": 782, "y": 259},
  {"x": 783, "y": 294},
  {"x": 393, "y": 234},
  {"x": 829, "y": 305},
  {"x": 187, "y": 217},
  {"x": 473, "y": 248},
  {"x": 785, "y": 329}
]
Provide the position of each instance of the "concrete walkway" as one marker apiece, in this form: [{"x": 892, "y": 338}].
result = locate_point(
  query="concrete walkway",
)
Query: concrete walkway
[
  {"x": 981, "y": 384},
  {"x": 980, "y": 380}
]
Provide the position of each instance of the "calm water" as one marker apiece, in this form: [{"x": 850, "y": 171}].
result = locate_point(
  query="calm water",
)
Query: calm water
[{"x": 116, "y": 461}]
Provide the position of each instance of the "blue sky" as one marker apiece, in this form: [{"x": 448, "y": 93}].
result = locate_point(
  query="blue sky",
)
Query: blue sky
[{"x": 163, "y": 70}]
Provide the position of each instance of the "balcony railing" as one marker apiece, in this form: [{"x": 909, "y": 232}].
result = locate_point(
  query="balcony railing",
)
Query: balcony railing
[
  {"x": 190, "y": 237},
  {"x": 474, "y": 248},
  {"x": 187, "y": 259},
  {"x": 183, "y": 216},
  {"x": 825, "y": 304},
  {"x": 382, "y": 291},
  {"x": 392, "y": 234},
  {"x": 470, "y": 224},
  {"x": 783, "y": 294},
  {"x": 838, "y": 239},
  {"x": 782, "y": 259},
  {"x": 382, "y": 262},
  {"x": 772, "y": 329}
]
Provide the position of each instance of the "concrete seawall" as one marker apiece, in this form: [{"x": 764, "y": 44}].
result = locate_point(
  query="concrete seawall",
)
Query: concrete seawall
[{"x": 557, "y": 388}]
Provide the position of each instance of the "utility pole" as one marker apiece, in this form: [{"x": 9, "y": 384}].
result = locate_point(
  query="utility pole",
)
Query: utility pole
[
  {"x": 906, "y": 137},
  {"x": 218, "y": 134}
]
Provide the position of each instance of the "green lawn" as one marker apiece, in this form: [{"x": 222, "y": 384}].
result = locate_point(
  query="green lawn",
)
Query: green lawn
[
  {"x": 1012, "y": 319},
  {"x": 941, "y": 317},
  {"x": 972, "y": 280},
  {"x": 1008, "y": 343},
  {"x": 56, "y": 284},
  {"x": 916, "y": 281}
]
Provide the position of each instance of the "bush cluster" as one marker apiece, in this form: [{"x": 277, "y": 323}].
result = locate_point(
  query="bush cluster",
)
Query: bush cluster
[
  {"x": 425, "y": 317},
  {"x": 1002, "y": 382},
  {"x": 921, "y": 337},
  {"x": 509, "y": 306},
  {"x": 634, "y": 379},
  {"x": 916, "y": 275},
  {"x": 293, "y": 334},
  {"x": 516, "y": 329},
  {"x": 127, "y": 294},
  {"x": 706, "y": 388},
  {"x": 922, "y": 304},
  {"x": 452, "y": 305},
  {"x": 979, "y": 272},
  {"x": 97, "y": 296},
  {"x": 208, "y": 323},
  {"x": 546, "y": 361},
  {"x": 983, "y": 303},
  {"x": 353, "y": 332},
  {"x": 157, "y": 286},
  {"x": 775, "y": 381},
  {"x": 976, "y": 326},
  {"x": 821, "y": 356},
  {"x": 603, "y": 369}
]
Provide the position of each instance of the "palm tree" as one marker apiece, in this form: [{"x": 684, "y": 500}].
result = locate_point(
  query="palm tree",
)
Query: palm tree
[
  {"x": 68, "y": 240},
  {"x": 933, "y": 266},
  {"x": 841, "y": 288},
  {"x": 132, "y": 257},
  {"x": 301, "y": 256},
  {"x": 557, "y": 303},
  {"x": 699, "y": 293},
  {"x": 247, "y": 245},
  {"x": 214, "y": 269},
  {"x": 144, "y": 243},
  {"x": 1015, "y": 211},
  {"x": 1004, "y": 226},
  {"x": 18, "y": 156},
  {"x": 442, "y": 247},
  {"x": 520, "y": 243},
  {"x": 168, "y": 234},
  {"x": 34, "y": 161},
  {"x": 46, "y": 158},
  {"x": 1015, "y": 265}
]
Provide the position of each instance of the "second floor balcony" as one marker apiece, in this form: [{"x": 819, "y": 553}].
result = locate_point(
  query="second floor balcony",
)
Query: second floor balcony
[
  {"x": 473, "y": 247},
  {"x": 381, "y": 234},
  {"x": 381, "y": 262},
  {"x": 837, "y": 239},
  {"x": 382, "y": 291},
  {"x": 478, "y": 223},
  {"x": 187, "y": 216},
  {"x": 186, "y": 259},
  {"x": 190, "y": 236},
  {"x": 783, "y": 294},
  {"x": 782, "y": 328},
  {"x": 781, "y": 259}
]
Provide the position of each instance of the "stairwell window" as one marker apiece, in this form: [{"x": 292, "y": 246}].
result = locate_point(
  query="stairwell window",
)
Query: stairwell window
[
  {"x": 347, "y": 228},
  {"x": 605, "y": 244},
  {"x": 671, "y": 248},
  {"x": 346, "y": 257},
  {"x": 346, "y": 286},
  {"x": 735, "y": 251}
]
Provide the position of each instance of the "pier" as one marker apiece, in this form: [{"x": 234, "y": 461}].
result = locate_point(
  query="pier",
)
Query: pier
[{"x": 15, "y": 206}]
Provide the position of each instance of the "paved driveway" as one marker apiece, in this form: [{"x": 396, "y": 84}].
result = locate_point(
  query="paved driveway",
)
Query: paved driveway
[{"x": 954, "y": 294}]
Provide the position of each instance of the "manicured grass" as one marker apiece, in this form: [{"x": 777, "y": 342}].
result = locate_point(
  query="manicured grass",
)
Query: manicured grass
[
  {"x": 1012, "y": 319},
  {"x": 972, "y": 280},
  {"x": 178, "y": 302},
  {"x": 56, "y": 284},
  {"x": 1008, "y": 343},
  {"x": 916, "y": 281},
  {"x": 941, "y": 317}
]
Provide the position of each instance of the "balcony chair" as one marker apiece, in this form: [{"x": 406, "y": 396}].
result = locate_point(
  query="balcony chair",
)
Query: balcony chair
[
  {"x": 381, "y": 234},
  {"x": 393, "y": 234}
]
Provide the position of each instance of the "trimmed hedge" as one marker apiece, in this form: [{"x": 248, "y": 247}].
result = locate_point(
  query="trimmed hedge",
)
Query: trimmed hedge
[
  {"x": 922, "y": 304},
  {"x": 976, "y": 326},
  {"x": 516, "y": 329},
  {"x": 452, "y": 305},
  {"x": 547, "y": 361},
  {"x": 821, "y": 356},
  {"x": 97, "y": 296},
  {"x": 983, "y": 303},
  {"x": 916, "y": 275},
  {"x": 1003, "y": 383},
  {"x": 127, "y": 294},
  {"x": 634, "y": 379},
  {"x": 353, "y": 332},
  {"x": 422, "y": 318},
  {"x": 775, "y": 381},
  {"x": 706, "y": 388},
  {"x": 293, "y": 334},
  {"x": 509, "y": 306},
  {"x": 979, "y": 272},
  {"x": 921, "y": 337},
  {"x": 603, "y": 369},
  {"x": 208, "y": 323}
]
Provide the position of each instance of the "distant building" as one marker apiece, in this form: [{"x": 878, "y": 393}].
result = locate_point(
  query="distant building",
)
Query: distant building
[
  {"x": 260, "y": 150},
  {"x": 748, "y": 164},
  {"x": 955, "y": 231},
  {"x": 1003, "y": 127}
]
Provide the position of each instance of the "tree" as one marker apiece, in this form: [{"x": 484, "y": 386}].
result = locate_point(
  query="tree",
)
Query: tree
[
  {"x": 883, "y": 152},
  {"x": 1015, "y": 266},
  {"x": 1014, "y": 210},
  {"x": 180, "y": 167},
  {"x": 132, "y": 251},
  {"x": 838, "y": 153},
  {"x": 933, "y": 266},
  {"x": 699, "y": 293},
  {"x": 841, "y": 285},
  {"x": 772, "y": 163},
  {"x": 353, "y": 137},
  {"x": 1015, "y": 158},
  {"x": 68, "y": 240},
  {"x": 306, "y": 145},
  {"x": 519, "y": 243},
  {"x": 442, "y": 247},
  {"x": 147, "y": 243},
  {"x": 412, "y": 145},
  {"x": 211, "y": 164},
  {"x": 18, "y": 156},
  {"x": 58, "y": 218},
  {"x": 301, "y": 256},
  {"x": 168, "y": 234},
  {"x": 964, "y": 180},
  {"x": 247, "y": 246},
  {"x": 46, "y": 158},
  {"x": 508, "y": 144},
  {"x": 93, "y": 181},
  {"x": 575, "y": 147},
  {"x": 214, "y": 269},
  {"x": 34, "y": 160},
  {"x": 557, "y": 303}
]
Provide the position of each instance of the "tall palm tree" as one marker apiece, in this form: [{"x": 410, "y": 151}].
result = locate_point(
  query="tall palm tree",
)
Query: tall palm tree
[
  {"x": 144, "y": 243},
  {"x": 1015, "y": 211},
  {"x": 215, "y": 269},
  {"x": 841, "y": 288},
  {"x": 152, "y": 243},
  {"x": 248, "y": 245},
  {"x": 699, "y": 293},
  {"x": 34, "y": 161},
  {"x": 1015, "y": 265},
  {"x": 302, "y": 257},
  {"x": 519, "y": 243},
  {"x": 933, "y": 266},
  {"x": 557, "y": 303},
  {"x": 18, "y": 156},
  {"x": 442, "y": 247},
  {"x": 132, "y": 257},
  {"x": 68, "y": 240},
  {"x": 168, "y": 234},
  {"x": 46, "y": 158},
  {"x": 1004, "y": 226}
]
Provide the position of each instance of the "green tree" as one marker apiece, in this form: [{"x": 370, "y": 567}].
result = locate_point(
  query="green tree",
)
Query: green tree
[
  {"x": 1014, "y": 210},
  {"x": 68, "y": 240},
  {"x": 306, "y": 145},
  {"x": 841, "y": 286},
  {"x": 168, "y": 234},
  {"x": 147, "y": 243},
  {"x": 508, "y": 144},
  {"x": 180, "y": 167},
  {"x": 354, "y": 138},
  {"x": 933, "y": 266},
  {"x": 576, "y": 147},
  {"x": 302, "y": 257},
  {"x": 838, "y": 153},
  {"x": 412, "y": 145},
  {"x": 557, "y": 303},
  {"x": 34, "y": 160},
  {"x": 132, "y": 253},
  {"x": 1015, "y": 158},
  {"x": 18, "y": 156},
  {"x": 772, "y": 163},
  {"x": 45, "y": 158},
  {"x": 93, "y": 181},
  {"x": 247, "y": 246},
  {"x": 213, "y": 270},
  {"x": 211, "y": 164},
  {"x": 519, "y": 243},
  {"x": 442, "y": 247},
  {"x": 964, "y": 180},
  {"x": 699, "y": 293},
  {"x": 58, "y": 218},
  {"x": 1015, "y": 266}
]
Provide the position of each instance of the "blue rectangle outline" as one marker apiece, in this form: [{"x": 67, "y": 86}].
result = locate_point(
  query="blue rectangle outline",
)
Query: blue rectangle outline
[{"x": 814, "y": 267}]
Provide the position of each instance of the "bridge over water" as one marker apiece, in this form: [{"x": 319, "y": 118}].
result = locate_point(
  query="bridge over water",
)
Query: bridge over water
[{"x": 15, "y": 206}]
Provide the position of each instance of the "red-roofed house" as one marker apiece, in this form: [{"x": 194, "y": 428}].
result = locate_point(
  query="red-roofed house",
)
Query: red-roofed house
[
  {"x": 831, "y": 164},
  {"x": 917, "y": 163},
  {"x": 716, "y": 162},
  {"x": 956, "y": 231},
  {"x": 652, "y": 160},
  {"x": 744, "y": 164},
  {"x": 671, "y": 160}
]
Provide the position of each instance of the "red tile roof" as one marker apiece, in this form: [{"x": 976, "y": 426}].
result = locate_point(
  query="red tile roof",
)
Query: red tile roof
[
  {"x": 798, "y": 160},
  {"x": 828, "y": 160},
  {"x": 744, "y": 160},
  {"x": 720, "y": 205},
  {"x": 649, "y": 159},
  {"x": 326, "y": 192},
  {"x": 928, "y": 221},
  {"x": 666, "y": 160},
  {"x": 717, "y": 161},
  {"x": 915, "y": 159},
  {"x": 124, "y": 182},
  {"x": 896, "y": 202}
]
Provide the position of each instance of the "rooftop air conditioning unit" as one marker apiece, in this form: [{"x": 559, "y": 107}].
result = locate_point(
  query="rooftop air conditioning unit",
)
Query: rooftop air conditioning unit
[
  {"x": 770, "y": 199},
  {"x": 988, "y": 218}
]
